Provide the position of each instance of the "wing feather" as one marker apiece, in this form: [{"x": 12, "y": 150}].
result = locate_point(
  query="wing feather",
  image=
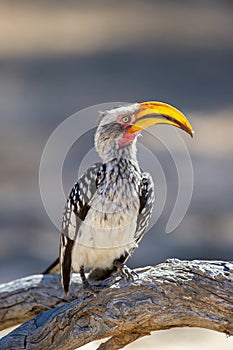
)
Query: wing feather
[
  {"x": 146, "y": 197},
  {"x": 75, "y": 211}
]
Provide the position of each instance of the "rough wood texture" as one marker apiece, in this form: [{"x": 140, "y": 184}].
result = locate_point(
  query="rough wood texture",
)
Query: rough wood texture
[{"x": 174, "y": 294}]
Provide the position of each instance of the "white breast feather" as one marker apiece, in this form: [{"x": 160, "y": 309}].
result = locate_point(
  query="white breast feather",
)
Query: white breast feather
[{"x": 109, "y": 227}]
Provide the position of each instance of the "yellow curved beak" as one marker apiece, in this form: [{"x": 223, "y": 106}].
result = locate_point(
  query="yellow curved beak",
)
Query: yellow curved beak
[{"x": 153, "y": 112}]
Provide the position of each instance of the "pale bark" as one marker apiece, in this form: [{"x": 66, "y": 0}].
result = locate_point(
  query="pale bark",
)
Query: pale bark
[{"x": 172, "y": 294}]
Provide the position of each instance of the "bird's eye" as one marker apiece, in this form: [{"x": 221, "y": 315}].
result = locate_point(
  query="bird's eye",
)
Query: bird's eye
[{"x": 125, "y": 119}]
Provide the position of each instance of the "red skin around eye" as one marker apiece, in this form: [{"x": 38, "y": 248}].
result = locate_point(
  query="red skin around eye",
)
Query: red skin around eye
[
  {"x": 123, "y": 125},
  {"x": 126, "y": 139}
]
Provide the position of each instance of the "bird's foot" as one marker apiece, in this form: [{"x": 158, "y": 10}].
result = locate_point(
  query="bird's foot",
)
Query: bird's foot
[
  {"x": 88, "y": 289},
  {"x": 124, "y": 271}
]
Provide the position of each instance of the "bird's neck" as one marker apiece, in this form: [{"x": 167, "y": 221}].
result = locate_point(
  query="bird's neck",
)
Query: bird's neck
[{"x": 129, "y": 153}]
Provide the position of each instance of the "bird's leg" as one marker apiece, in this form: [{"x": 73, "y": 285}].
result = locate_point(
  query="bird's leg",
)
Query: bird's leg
[
  {"x": 124, "y": 271},
  {"x": 86, "y": 284}
]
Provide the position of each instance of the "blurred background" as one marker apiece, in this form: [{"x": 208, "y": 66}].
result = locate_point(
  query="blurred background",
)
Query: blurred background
[{"x": 58, "y": 57}]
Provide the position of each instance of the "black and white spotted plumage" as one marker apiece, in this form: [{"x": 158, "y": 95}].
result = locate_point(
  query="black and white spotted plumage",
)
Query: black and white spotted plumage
[
  {"x": 75, "y": 211},
  {"x": 79, "y": 203},
  {"x": 109, "y": 208},
  {"x": 147, "y": 198}
]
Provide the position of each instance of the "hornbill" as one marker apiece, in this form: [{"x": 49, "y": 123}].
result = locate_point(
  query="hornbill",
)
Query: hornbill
[{"x": 109, "y": 207}]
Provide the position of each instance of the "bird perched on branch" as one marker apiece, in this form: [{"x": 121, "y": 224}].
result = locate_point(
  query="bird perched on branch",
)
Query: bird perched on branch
[{"x": 109, "y": 207}]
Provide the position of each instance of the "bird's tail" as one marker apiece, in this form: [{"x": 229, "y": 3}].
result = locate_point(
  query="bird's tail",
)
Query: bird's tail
[{"x": 53, "y": 269}]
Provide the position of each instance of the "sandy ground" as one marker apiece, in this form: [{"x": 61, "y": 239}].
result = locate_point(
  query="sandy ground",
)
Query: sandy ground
[
  {"x": 40, "y": 28},
  {"x": 176, "y": 339}
]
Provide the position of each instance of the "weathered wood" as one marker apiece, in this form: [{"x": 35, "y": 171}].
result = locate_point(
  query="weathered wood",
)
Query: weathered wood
[
  {"x": 22, "y": 299},
  {"x": 174, "y": 294}
]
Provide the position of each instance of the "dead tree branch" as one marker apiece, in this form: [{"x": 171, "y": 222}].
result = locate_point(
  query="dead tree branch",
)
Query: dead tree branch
[{"x": 173, "y": 294}]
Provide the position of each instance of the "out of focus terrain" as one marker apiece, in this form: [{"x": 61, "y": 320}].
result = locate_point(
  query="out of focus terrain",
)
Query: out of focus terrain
[{"x": 59, "y": 57}]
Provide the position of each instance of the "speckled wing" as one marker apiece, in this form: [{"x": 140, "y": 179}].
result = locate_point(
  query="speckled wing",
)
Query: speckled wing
[
  {"x": 147, "y": 197},
  {"x": 75, "y": 211}
]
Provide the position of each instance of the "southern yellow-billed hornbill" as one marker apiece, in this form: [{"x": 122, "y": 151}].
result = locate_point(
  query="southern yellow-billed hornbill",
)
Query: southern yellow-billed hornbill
[{"x": 109, "y": 207}]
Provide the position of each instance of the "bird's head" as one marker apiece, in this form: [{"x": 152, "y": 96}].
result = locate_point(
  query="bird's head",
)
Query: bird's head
[{"x": 119, "y": 127}]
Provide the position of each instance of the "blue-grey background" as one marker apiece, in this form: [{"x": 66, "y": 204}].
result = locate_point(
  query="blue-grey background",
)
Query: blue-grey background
[{"x": 57, "y": 58}]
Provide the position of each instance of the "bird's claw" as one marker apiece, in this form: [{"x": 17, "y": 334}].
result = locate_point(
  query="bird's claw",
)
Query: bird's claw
[
  {"x": 88, "y": 289},
  {"x": 130, "y": 275},
  {"x": 125, "y": 272}
]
